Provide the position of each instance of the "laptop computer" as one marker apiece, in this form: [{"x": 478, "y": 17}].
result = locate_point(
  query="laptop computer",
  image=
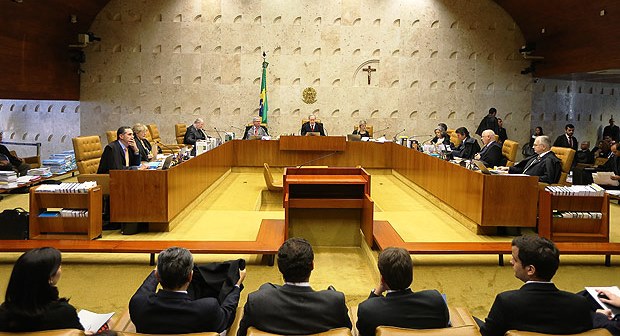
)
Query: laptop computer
[
  {"x": 354, "y": 137},
  {"x": 483, "y": 168},
  {"x": 167, "y": 162}
]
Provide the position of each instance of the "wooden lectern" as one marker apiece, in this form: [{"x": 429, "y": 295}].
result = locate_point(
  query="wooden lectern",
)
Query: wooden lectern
[{"x": 329, "y": 188}]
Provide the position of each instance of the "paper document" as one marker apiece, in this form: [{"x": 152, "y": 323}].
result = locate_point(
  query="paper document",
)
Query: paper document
[
  {"x": 604, "y": 178},
  {"x": 93, "y": 321},
  {"x": 614, "y": 289}
]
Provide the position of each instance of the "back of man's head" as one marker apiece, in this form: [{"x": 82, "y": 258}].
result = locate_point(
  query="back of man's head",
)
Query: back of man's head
[
  {"x": 492, "y": 111},
  {"x": 396, "y": 268},
  {"x": 296, "y": 260},
  {"x": 174, "y": 266},
  {"x": 538, "y": 252}
]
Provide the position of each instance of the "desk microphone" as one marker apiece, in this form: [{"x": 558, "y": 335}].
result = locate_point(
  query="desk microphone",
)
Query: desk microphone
[
  {"x": 395, "y": 135},
  {"x": 381, "y": 130},
  {"x": 218, "y": 134},
  {"x": 316, "y": 159}
]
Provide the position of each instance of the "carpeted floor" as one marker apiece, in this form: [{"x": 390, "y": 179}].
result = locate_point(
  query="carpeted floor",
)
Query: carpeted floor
[{"x": 233, "y": 211}]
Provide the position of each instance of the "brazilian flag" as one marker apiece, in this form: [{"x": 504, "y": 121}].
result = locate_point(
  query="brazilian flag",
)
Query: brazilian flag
[{"x": 263, "y": 94}]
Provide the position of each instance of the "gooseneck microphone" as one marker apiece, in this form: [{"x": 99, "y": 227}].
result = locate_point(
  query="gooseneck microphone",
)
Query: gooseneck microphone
[
  {"x": 166, "y": 146},
  {"x": 381, "y": 130},
  {"x": 396, "y": 135},
  {"x": 316, "y": 159},
  {"x": 218, "y": 134}
]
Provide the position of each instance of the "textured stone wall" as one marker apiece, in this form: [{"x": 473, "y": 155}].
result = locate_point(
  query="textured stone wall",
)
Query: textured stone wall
[
  {"x": 52, "y": 123},
  {"x": 165, "y": 62}
]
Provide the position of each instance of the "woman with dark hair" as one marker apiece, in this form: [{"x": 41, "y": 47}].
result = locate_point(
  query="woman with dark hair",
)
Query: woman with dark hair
[
  {"x": 31, "y": 302},
  {"x": 527, "y": 150}
]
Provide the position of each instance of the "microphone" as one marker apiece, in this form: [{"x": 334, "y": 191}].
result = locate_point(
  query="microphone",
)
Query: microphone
[
  {"x": 166, "y": 146},
  {"x": 316, "y": 159},
  {"x": 381, "y": 130},
  {"x": 237, "y": 128},
  {"x": 218, "y": 134},
  {"x": 422, "y": 135},
  {"x": 395, "y": 135}
]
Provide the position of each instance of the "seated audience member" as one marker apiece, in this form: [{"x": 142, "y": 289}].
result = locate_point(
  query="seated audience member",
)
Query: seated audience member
[
  {"x": 361, "y": 129},
  {"x": 544, "y": 164},
  {"x": 469, "y": 146},
  {"x": 491, "y": 153},
  {"x": 256, "y": 130},
  {"x": 441, "y": 137},
  {"x": 603, "y": 149},
  {"x": 603, "y": 317},
  {"x": 144, "y": 146},
  {"x": 171, "y": 310},
  {"x": 538, "y": 306},
  {"x": 528, "y": 149},
  {"x": 400, "y": 307},
  {"x": 503, "y": 136},
  {"x": 583, "y": 154},
  {"x": 123, "y": 153},
  {"x": 32, "y": 302},
  {"x": 17, "y": 164},
  {"x": 195, "y": 132},
  {"x": 612, "y": 165},
  {"x": 312, "y": 126},
  {"x": 294, "y": 308}
]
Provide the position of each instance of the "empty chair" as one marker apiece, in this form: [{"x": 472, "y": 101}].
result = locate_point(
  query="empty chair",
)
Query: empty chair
[
  {"x": 179, "y": 132},
  {"x": 166, "y": 148},
  {"x": 271, "y": 184},
  {"x": 88, "y": 152},
  {"x": 111, "y": 135}
]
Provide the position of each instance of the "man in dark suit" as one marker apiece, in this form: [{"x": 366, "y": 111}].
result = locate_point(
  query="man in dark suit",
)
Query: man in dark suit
[
  {"x": 503, "y": 136},
  {"x": 312, "y": 126},
  {"x": 489, "y": 122},
  {"x": 295, "y": 308},
  {"x": 120, "y": 154},
  {"x": 400, "y": 307},
  {"x": 612, "y": 131},
  {"x": 612, "y": 165},
  {"x": 567, "y": 139},
  {"x": 544, "y": 164},
  {"x": 171, "y": 310},
  {"x": 195, "y": 132},
  {"x": 538, "y": 306},
  {"x": 491, "y": 153},
  {"x": 468, "y": 147}
]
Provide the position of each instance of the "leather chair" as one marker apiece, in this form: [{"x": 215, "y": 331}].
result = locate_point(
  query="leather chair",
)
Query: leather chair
[
  {"x": 566, "y": 155},
  {"x": 271, "y": 184},
  {"x": 333, "y": 332},
  {"x": 467, "y": 330},
  {"x": 111, "y": 135},
  {"x": 156, "y": 137},
  {"x": 179, "y": 131},
  {"x": 368, "y": 128},
  {"x": 509, "y": 151},
  {"x": 453, "y": 138},
  {"x": 593, "y": 332},
  {"x": 88, "y": 152}
]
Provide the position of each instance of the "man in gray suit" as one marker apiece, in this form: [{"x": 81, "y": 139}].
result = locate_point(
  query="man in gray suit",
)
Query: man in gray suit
[{"x": 294, "y": 308}]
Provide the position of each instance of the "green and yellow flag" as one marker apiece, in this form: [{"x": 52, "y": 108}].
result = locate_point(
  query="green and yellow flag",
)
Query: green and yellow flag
[{"x": 264, "y": 107}]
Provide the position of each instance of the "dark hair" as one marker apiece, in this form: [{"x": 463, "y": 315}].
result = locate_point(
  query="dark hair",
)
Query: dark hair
[
  {"x": 541, "y": 130},
  {"x": 443, "y": 126},
  {"x": 29, "y": 289},
  {"x": 569, "y": 126},
  {"x": 295, "y": 260},
  {"x": 396, "y": 267},
  {"x": 174, "y": 266},
  {"x": 121, "y": 130},
  {"x": 462, "y": 131},
  {"x": 539, "y": 252},
  {"x": 492, "y": 110}
]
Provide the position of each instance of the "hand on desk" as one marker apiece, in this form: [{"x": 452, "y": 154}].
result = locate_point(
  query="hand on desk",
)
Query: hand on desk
[
  {"x": 477, "y": 156},
  {"x": 143, "y": 166},
  {"x": 615, "y": 177},
  {"x": 502, "y": 168}
]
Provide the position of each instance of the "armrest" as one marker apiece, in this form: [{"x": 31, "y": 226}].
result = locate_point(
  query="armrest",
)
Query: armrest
[
  {"x": 460, "y": 316},
  {"x": 103, "y": 180},
  {"x": 122, "y": 322},
  {"x": 33, "y": 161}
]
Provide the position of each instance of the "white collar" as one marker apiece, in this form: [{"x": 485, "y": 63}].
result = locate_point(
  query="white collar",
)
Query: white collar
[{"x": 298, "y": 284}]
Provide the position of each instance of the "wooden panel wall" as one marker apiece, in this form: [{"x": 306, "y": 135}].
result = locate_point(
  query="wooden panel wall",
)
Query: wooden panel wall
[{"x": 35, "y": 58}]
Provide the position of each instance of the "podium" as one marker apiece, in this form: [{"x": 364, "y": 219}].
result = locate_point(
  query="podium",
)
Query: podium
[{"x": 320, "y": 203}]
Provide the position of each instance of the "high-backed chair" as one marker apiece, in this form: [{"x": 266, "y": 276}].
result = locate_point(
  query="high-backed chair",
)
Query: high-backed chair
[
  {"x": 453, "y": 138},
  {"x": 566, "y": 155},
  {"x": 56, "y": 332},
  {"x": 593, "y": 332},
  {"x": 166, "y": 148},
  {"x": 111, "y": 135},
  {"x": 467, "y": 330},
  {"x": 509, "y": 151},
  {"x": 88, "y": 152},
  {"x": 368, "y": 128},
  {"x": 333, "y": 332},
  {"x": 271, "y": 184},
  {"x": 179, "y": 132}
]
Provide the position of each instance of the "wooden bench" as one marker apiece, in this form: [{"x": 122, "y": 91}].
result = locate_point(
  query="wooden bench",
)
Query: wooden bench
[
  {"x": 385, "y": 236},
  {"x": 268, "y": 240}
]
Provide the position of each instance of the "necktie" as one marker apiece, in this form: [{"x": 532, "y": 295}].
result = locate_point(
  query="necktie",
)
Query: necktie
[
  {"x": 126, "y": 157},
  {"x": 312, "y": 127},
  {"x": 537, "y": 159},
  {"x": 570, "y": 142},
  {"x": 255, "y": 131}
]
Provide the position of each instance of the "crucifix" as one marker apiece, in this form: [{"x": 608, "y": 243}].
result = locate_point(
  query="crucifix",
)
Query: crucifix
[{"x": 370, "y": 71}]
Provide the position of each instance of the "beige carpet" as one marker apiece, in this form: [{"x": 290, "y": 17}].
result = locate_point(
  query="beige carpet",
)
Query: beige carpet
[{"x": 234, "y": 209}]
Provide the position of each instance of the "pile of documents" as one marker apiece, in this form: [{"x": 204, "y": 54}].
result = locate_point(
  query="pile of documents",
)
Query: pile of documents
[
  {"x": 61, "y": 163},
  {"x": 43, "y": 172},
  {"x": 69, "y": 187},
  {"x": 576, "y": 190},
  {"x": 8, "y": 179}
]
